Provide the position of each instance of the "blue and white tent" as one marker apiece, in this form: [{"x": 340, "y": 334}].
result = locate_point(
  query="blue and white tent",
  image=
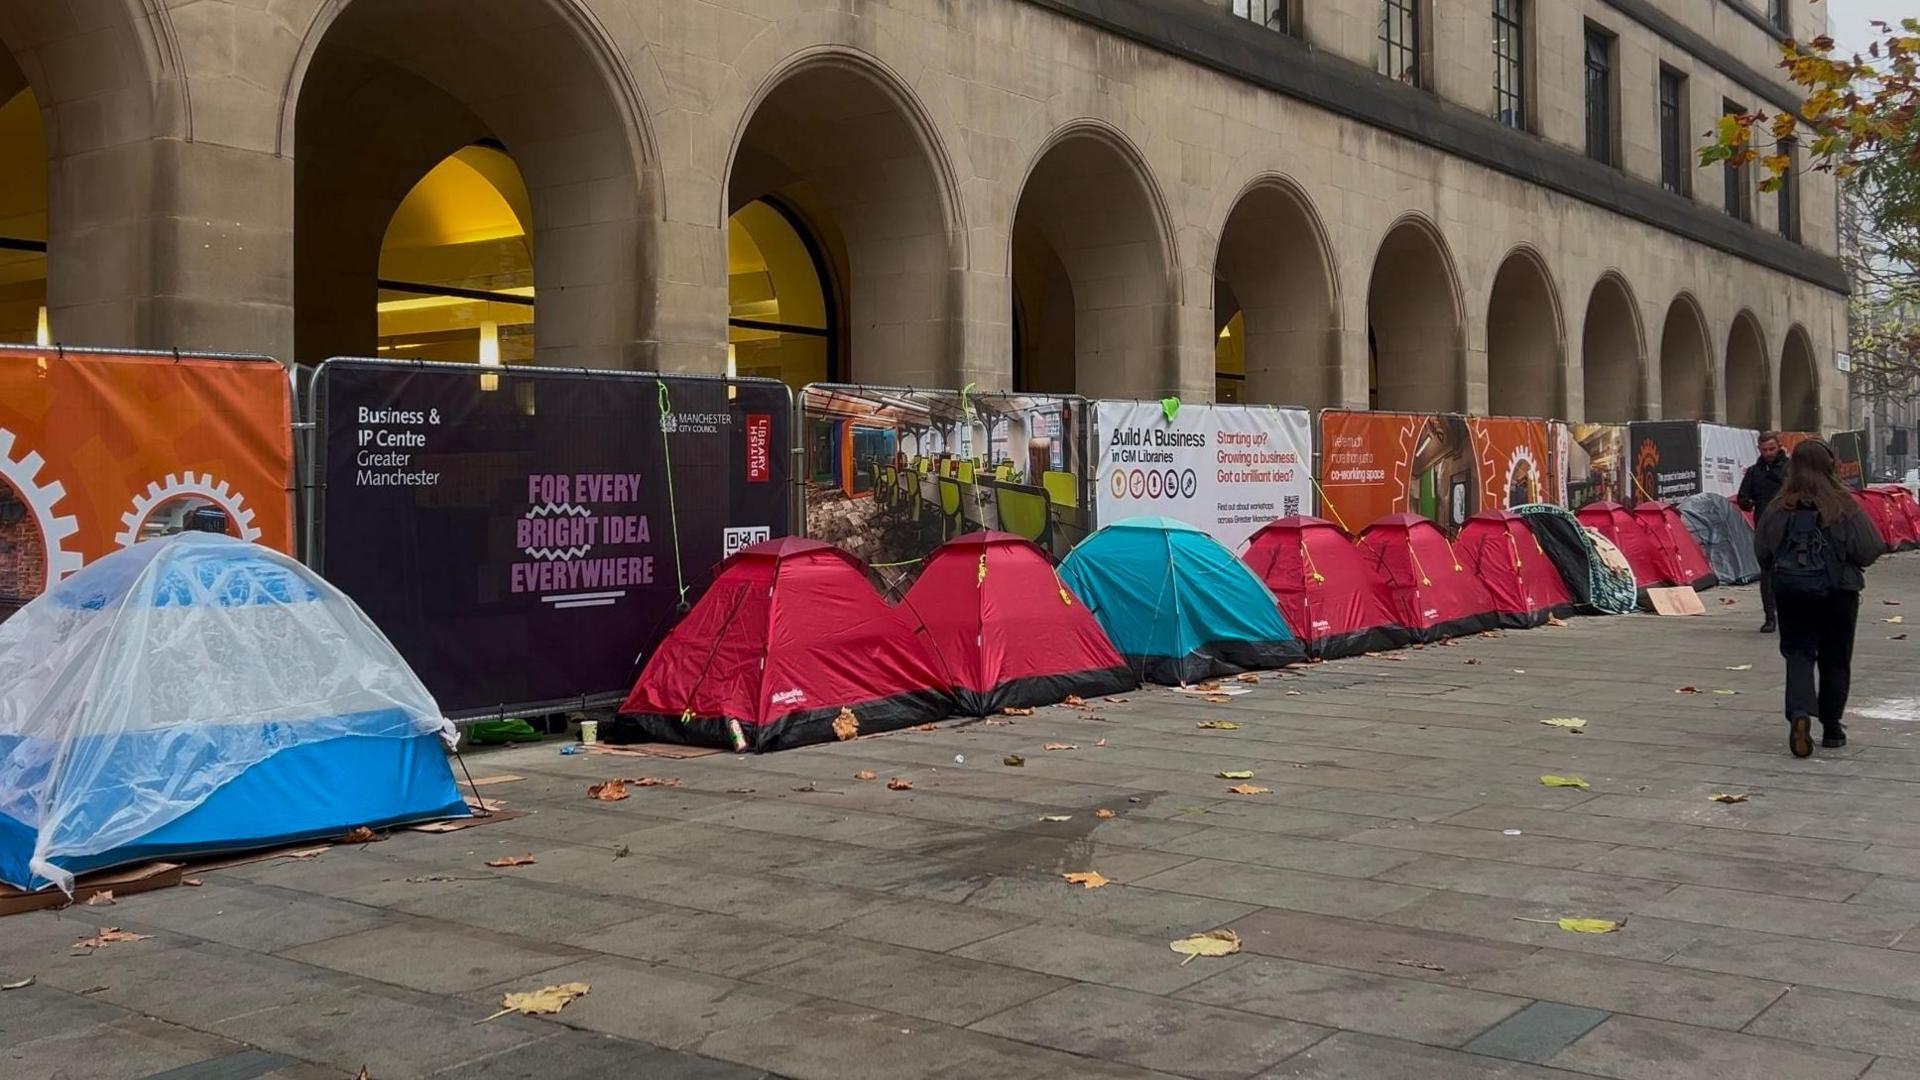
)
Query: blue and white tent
[
  {"x": 1179, "y": 607},
  {"x": 199, "y": 694}
]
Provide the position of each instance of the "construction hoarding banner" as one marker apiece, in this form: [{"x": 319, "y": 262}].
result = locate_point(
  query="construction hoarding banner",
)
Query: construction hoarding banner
[
  {"x": 1853, "y": 460},
  {"x": 526, "y": 535},
  {"x": 1597, "y": 457},
  {"x": 99, "y": 450},
  {"x": 1516, "y": 462},
  {"x": 1225, "y": 469},
  {"x": 1666, "y": 460},
  {"x": 1443, "y": 467},
  {"x": 893, "y": 472},
  {"x": 1725, "y": 453}
]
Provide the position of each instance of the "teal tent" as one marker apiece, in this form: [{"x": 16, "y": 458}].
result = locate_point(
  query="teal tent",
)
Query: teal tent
[{"x": 1178, "y": 606}]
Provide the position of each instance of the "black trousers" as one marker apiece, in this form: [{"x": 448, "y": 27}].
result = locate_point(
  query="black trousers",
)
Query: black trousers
[
  {"x": 1816, "y": 636},
  {"x": 1767, "y": 604}
]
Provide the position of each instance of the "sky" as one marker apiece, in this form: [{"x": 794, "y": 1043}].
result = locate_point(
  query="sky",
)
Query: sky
[{"x": 1853, "y": 19}]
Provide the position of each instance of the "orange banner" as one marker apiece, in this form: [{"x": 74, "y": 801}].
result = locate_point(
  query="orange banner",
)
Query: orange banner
[
  {"x": 99, "y": 451},
  {"x": 1514, "y": 462},
  {"x": 1442, "y": 467}
]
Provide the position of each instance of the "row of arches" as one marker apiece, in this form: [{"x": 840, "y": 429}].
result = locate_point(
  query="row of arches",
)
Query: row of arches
[{"x": 514, "y": 210}]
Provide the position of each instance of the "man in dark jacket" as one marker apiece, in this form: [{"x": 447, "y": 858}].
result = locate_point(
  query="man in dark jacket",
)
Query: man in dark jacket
[{"x": 1758, "y": 488}]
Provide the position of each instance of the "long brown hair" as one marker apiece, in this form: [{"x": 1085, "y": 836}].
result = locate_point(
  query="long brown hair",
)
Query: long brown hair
[{"x": 1811, "y": 484}]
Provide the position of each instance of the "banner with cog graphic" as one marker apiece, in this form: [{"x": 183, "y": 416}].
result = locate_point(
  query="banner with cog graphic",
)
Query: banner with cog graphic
[{"x": 100, "y": 450}]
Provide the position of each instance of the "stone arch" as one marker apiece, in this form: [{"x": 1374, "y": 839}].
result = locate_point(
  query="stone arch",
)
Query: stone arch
[
  {"x": 1414, "y": 323},
  {"x": 1686, "y": 363},
  {"x": 1799, "y": 382},
  {"x": 1613, "y": 353},
  {"x": 1749, "y": 398},
  {"x": 1091, "y": 260},
  {"x": 1526, "y": 341},
  {"x": 844, "y": 146},
  {"x": 23, "y": 206},
  {"x": 1274, "y": 279},
  {"x": 382, "y": 92}
]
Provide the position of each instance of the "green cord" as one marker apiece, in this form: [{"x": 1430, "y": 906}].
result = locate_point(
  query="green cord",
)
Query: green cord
[{"x": 673, "y": 504}]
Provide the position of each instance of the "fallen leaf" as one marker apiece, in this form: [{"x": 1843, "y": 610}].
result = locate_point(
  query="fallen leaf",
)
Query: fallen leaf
[
  {"x": 1688, "y": 690},
  {"x": 21, "y": 984},
  {"x": 1013, "y": 711},
  {"x": 1555, "y": 620},
  {"x": 361, "y": 835},
  {"x": 866, "y": 774},
  {"x": 304, "y": 853},
  {"x": 846, "y": 725},
  {"x": 1740, "y": 667},
  {"x": 622, "y": 851},
  {"x": 1218, "y": 725},
  {"x": 740, "y": 791},
  {"x": 1473, "y": 659},
  {"x": 611, "y": 791},
  {"x": 1421, "y": 964},
  {"x": 1726, "y": 693},
  {"x": 1216, "y": 699},
  {"x": 1075, "y": 701},
  {"x": 1519, "y": 671},
  {"x": 653, "y": 781},
  {"x": 1897, "y": 619},
  {"x": 1590, "y": 926},
  {"x": 1728, "y": 601},
  {"x": 1103, "y": 813},
  {"x": 1247, "y": 677},
  {"x": 1013, "y": 761},
  {"x": 544, "y": 1001},
  {"x": 512, "y": 860},
  {"x": 1249, "y": 789},
  {"x": 1118, "y": 700},
  {"x": 897, "y": 784},
  {"x": 109, "y": 935},
  {"x": 192, "y": 882},
  {"x": 1891, "y": 603},
  {"x": 808, "y": 786},
  {"x": 1237, "y": 774},
  {"x": 1727, "y": 798},
  {"x": 926, "y": 727},
  {"x": 362, "y": 1074},
  {"x": 1896, "y": 637},
  {"x": 1060, "y": 746},
  {"x": 1099, "y": 742},
  {"x": 1571, "y": 723},
  {"x": 1088, "y": 879},
  {"x": 1209, "y": 943},
  {"x": 1564, "y": 781},
  {"x": 1206, "y": 687},
  {"x": 1056, "y": 817},
  {"x": 103, "y": 898}
]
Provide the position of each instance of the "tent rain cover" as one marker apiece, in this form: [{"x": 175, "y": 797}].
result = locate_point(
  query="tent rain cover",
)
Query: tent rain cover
[{"x": 145, "y": 685}]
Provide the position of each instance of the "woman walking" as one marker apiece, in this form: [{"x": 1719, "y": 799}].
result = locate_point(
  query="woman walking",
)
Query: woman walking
[{"x": 1816, "y": 542}]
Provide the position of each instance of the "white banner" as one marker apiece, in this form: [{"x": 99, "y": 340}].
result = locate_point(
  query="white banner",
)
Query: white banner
[
  {"x": 1227, "y": 469},
  {"x": 1725, "y": 453}
]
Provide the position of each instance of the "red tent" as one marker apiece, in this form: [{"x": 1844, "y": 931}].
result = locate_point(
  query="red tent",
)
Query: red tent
[
  {"x": 1887, "y": 518},
  {"x": 1431, "y": 592},
  {"x": 1617, "y": 524},
  {"x": 1905, "y": 516},
  {"x": 1328, "y": 593},
  {"x": 789, "y": 633},
  {"x": 1500, "y": 549},
  {"x": 1009, "y": 631},
  {"x": 1675, "y": 551}
]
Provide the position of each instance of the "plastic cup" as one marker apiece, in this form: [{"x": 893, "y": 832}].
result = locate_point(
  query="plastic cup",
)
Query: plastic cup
[{"x": 589, "y": 731}]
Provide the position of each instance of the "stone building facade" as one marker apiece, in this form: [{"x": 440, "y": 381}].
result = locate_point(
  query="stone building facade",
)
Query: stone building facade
[{"x": 1436, "y": 204}]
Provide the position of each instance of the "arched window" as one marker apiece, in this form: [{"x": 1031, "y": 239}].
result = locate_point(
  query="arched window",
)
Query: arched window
[
  {"x": 23, "y": 218},
  {"x": 780, "y": 319},
  {"x": 456, "y": 264}
]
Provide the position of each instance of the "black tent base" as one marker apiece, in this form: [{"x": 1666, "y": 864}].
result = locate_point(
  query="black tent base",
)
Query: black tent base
[
  {"x": 1040, "y": 690},
  {"x": 1527, "y": 620},
  {"x": 1213, "y": 660},
  {"x": 794, "y": 729},
  {"x": 1360, "y": 642},
  {"x": 1462, "y": 627}
]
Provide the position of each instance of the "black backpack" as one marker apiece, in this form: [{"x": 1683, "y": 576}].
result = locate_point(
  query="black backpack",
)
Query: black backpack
[{"x": 1805, "y": 564}]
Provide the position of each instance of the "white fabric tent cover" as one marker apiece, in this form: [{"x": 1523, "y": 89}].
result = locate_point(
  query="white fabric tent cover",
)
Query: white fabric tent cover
[{"x": 214, "y": 653}]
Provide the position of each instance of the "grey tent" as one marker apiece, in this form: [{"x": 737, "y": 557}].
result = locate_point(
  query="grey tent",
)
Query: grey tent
[{"x": 1724, "y": 535}]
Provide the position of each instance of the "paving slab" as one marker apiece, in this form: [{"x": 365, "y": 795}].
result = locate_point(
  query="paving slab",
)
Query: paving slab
[
  {"x": 950, "y": 989},
  {"x": 1632, "y": 986},
  {"x": 1356, "y": 1056},
  {"x": 1109, "y": 959},
  {"x": 433, "y": 957},
  {"x": 651, "y": 1003},
  {"x": 130, "y": 1047},
  {"x": 1872, "y": 1025},
  {"x": 1355, "y": 1000},
  {"x": 1630, "y": 1048},
  {"x": 1537, "y": 1032}
]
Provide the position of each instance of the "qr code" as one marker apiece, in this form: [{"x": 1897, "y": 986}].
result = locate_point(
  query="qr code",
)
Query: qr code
[
  {"x": 745, "y": 536},
  {"x": 1289, "y": 506}
]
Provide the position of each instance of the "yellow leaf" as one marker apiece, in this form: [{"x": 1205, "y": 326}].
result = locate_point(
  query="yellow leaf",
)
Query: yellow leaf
[
  {"x": 1210, "y": 943},
  {"x": 1218, "y": 725},
  {"x": 1103, "y": 813},
  {"x": 1249, "y": 789},
  {"x": 1060, "y": 746},
  {"x": 846, "y": 725},
  {"x": 1090, "y": 879},
  {"x": 511, "y": 860},
  {"x": 1014, "y": 710},
  {"x": 898, "y": 784},
  {"x": 865, "y": 774},
  {"x": 1727, "y": 798},
  {"x": 1216, "y": 699},
  {"x": 611, "y": 791},
  {"x": 546, "y": 1000},
  {"x": 1897, "y": 619},
  {"x": 1563, "y": 781},
  {"x": 1237, "y": 774},
  {"x": 1572, "y": 723},
  {"x": 1590, "y": 926}
]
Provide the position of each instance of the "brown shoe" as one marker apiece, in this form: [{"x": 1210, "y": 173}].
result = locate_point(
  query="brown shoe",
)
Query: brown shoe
[{"x": 1800, "y": 736}]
